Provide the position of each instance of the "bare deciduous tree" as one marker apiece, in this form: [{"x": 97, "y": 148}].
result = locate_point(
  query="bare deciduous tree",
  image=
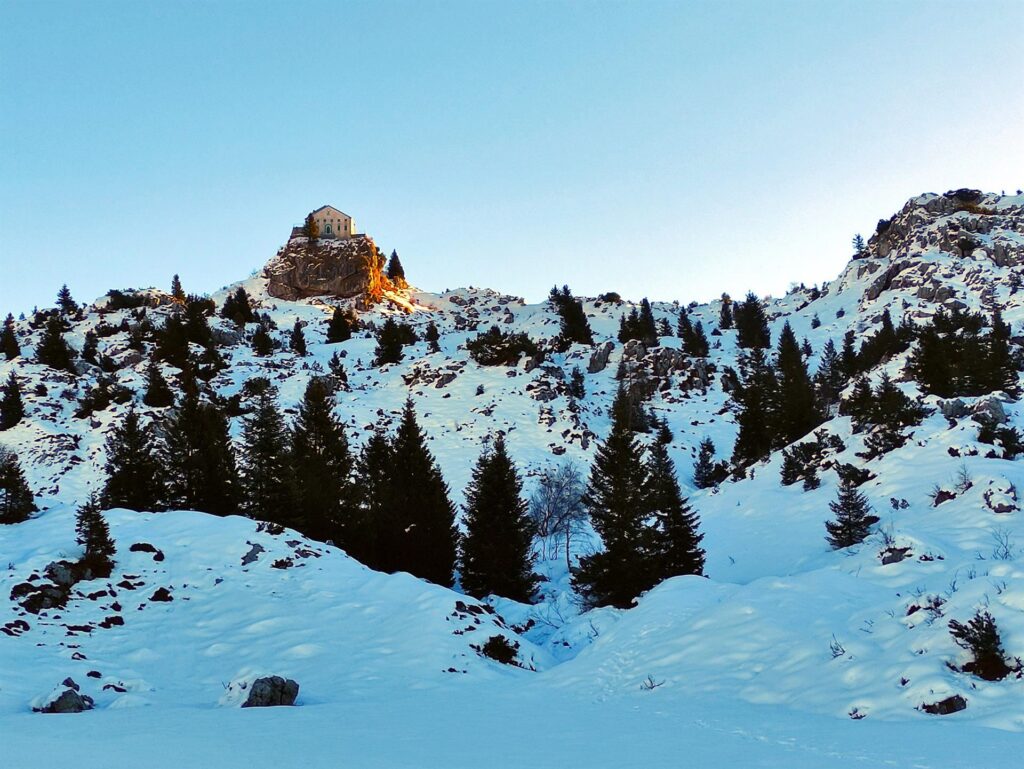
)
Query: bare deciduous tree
[{"x": 557, "y": 510}]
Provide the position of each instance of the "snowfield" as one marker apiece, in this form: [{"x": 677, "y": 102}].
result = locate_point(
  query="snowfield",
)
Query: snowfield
[{"x": 787, "y": 654}]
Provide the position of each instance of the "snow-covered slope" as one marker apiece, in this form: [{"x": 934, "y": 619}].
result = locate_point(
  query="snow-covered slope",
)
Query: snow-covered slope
[{"x": 781, "y": 620}]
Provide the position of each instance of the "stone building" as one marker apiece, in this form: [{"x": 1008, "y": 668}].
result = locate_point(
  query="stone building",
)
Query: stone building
[{"x": 332, "y": 222}]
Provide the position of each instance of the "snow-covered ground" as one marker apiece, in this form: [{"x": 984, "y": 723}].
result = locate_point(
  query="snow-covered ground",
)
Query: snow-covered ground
[{"x": 787, "y": 655}]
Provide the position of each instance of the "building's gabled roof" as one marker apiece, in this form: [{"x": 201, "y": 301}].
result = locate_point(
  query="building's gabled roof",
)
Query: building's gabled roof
[{"x": 333, "y": 209}]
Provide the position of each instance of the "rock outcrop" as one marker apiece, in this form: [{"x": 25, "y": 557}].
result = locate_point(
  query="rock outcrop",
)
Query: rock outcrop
[
  {"x": 271, "y": 692},
  {"x": 341, "y": 268}
]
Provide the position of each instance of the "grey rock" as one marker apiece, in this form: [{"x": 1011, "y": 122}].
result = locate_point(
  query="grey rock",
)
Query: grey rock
[
  {"x": 599, "y": 357},
  {"x": 327, "y": 268},
  {"x": 271, "y": 692},
  {"x": 69, "y": 701},
  {"x": 953, "y": 409},
  {"x": 990, "y": 410}
]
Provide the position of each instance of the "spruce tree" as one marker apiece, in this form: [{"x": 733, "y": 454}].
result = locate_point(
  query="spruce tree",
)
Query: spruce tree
[
  {"x": 264, "y": 463},
  {"x": 16, "y": 500},
  {"x": 677, "y": 541},
  {"x": 93, "y": 534},
  {"x": 1000, "y": 366},
  {"x": 9, "y": 339},
  {"x": 262, "y": 344},
  {"x": 200, "y": 460},
  {"x": 372, "y": 524},
  {"x": 496, "y": 555},
  {"x": 395, "y": 271},
  {"x": 311, "y": 229},
  {"x": 696, "y": 344},
  {"x": 389, "y": 343},
  {"x": 176, "y": 290},
  {"x": 422, "y": 536},
  {"x": 321, "y": 467},
  {"x": 577, "y": 384},
  {"x": 684, "y": 327},
  {"x": 646, "y": 327},
  {"x": 432, "y": 337},
  {"x": 135, "y": 471},
  {"x": 617, "y": 499},
  {"x": 757, "y": 396},
  {"x": 574, "y": 326},
  {"x": 341, "y": 326},
  {"x": 90, "y": 347},
  {"x": 829, "y": 381},
  {"x": 848, "y": 357},
  {"x": 852, "y": 517},
  {"x": 172, "y": 343},
  {"x": 53, "y": 351},
  {"x": 706, "y": 471},
  {"x": 158, "y": 392},
  {"x": 238, "y": 307},
  {"x": 725, "y": 315},
  {"x": 797, "y": 414},
  {"x": 12, "y": 409},
  {"x": 751, "y": 323},
  {"x": 298, "y": 339},
  {"x": 65, "y": 303}
]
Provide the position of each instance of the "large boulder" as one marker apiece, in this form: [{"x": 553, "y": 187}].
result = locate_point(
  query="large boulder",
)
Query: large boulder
[
  {"x": 341, "y": 268},
  {"x": 66, "y": 698},
  {"x": 271, "y": 691},
  {"x": 599, "y": 358}
]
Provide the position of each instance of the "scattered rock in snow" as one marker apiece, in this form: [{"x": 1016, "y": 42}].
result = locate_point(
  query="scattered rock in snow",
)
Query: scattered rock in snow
[
  {"x": 944, "y": 707},
  {"x": 271, "y": 691}
]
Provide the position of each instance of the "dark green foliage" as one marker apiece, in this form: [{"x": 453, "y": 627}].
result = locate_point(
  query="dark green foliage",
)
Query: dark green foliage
[
  {"x": 172, "y": 342},
  {"x": 176, "y": 290},
  {"x": 706, "y": 471},
  {"x": 1009, "y": 438},
  {"x": 200, "y": 461},
  {"x": 796, "y": 413},
  {"x": 90, "y": 347},
  {"x": 158, "y": 392},
  {"x": 852, "y": 517},
  {"x": 135, "y": 471},
  {"x": 419, "y": 535},
  {"x": 432, "y": 337},
  {"x": 499, "y": 348},
  {"x": 12, "y": 409},
  {"x": 93, "y": 534},
  {"x": 197, "y": 327},
  {"x": 264, "y": 463},
  {"x": 677, "y": 548},
  {"x": 616, "y": 498},
  {"x": 980, "y": 637},
  {"x": 498, "y": 648},
  {"x": 848, "y": 356},
  {"x": 297, "y": 342},
  {"x": 495, "y": 555},
  {"x": 53, "y": 351},
  {"x": 100, "y": 396},
  {"x": 800, "y": 462},
  {"x": 389, "y": 343},
  {"x": 695, "y": 341},
  {"x": 684, "y": 327},
  {"x": 858, "y": 245},
  {"x": 577, "y": 384},
  {"x": 341, "y": 326},
  {"x": 127, "y": 299},
  {"x": 372, "y": 522},
  {"x": 575, "y": 328},
  {"x": 65, "y": 303},
  {"x": 262, "y": 344},
  {"x": 238, "y": 307},
  {"x": 337, "y": 368},
  {"x": 725, "y": 315},
  {"x": 16, "y": 500},
  {"x": 886, "y": 405},
  {"x": 395, "y": 271},
  {"x": 9, "y": 339},
  {"x": 664, "y": 329},
  {"x": 751, "y": 323},
  {"x": 639, "y": 324},
  {"x": 321, "y": 466},
  {"x": 830, "y": 380},
  {"x": 815, "y": 321},
  {"x": 757, "y": 398}
]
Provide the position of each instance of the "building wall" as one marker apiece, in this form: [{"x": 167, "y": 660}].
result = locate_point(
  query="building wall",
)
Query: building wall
[{"x": 333, "y": 222}]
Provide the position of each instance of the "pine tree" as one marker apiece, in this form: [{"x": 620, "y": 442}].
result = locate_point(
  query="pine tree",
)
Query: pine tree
[
  {"x": 577, "y": 384},
  {"x": 496, "y": 557},
  {"x": 574, "y": 326},
  {"x": 395, "y": 271},
  {"x": 829, "y": 381},
  {"x": 53, "y": 351},
  {"x": 200, "y": 460},
  {"x": 617, "y": 499},
  {"x": 311, "y": 229},
  {"x": 706, "y": 471},
  {"x": 65, "y": 303},
  {"x": 371, "y": 524},
  {"x": 343, "y": 323},
  {"x": 298, "y": 339},
  {"x": 16, "y": 500},
  {"x": 264, "y": 462},
  {"x": 796, "y": 415},
  {"x": 677, "y": 545},
  {"x": 172, "y": 343},
  {"x": 12, "y": 409},
  {"x": 725, "y": 315},
  {"x": 90, "y": 347},
  {"x": 852, "y": 517},
  {"x": 135, "y": 471},
  {"x": 848, "y": 357},
  {"x": 262, "y": 344},
  {"x": 432, "y": 337},
  {"x": 238, "y": 307},
  {"x": 684, "y": 327},
  {"x": 158, "y": 392},
  {"x": 858, "y": 244},
  {"x": 757, "y": 396},
  {"x": 1000, "y": 366},
  {"x": 321, "y": 467},
  {"x": 696, "y": 344},
  {"x": 420, "y": 536},
  {"x": 752, "y": 323},
  {"x": 93, "y": 534},
  {"x": 9, "y": 339},
  {"x": 177, "y": 292},
  {"x": 389, "y": 343},
  {"x": 646, "y": 328}
]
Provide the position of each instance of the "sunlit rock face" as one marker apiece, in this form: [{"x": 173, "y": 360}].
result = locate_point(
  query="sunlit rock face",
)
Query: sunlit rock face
[{"x": 342, "y": 268}]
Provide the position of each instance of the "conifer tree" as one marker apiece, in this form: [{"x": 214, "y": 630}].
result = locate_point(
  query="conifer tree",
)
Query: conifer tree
[
  {"x": 574, "y": 326},
  {"x": 432, "y": 337},
  {"x": 751, "y": 323},
  {"x": 696, "y": 344},
  {"x": 1000, "y": 366},
  {"x": 135, "y": 471},
  {"x": 389, "y": 343},
  {"x": 172, "y": 343},
  {"x": 176, "y": 290},
  {"x": 852, "y": 517},
  {"x": 262, "y": 344},
  {"x": 321, "y": 466},
  {"x": 93, "y": 534},
  {"x": 238, "y": 307},
  {"x": 796, "y": 415},
  {"x": 677, "y": 545},
  {"x": 311, "y": 229},
  {"x": 684, "y": 327},
  {"x": 53, "y": 351},
  {"x": 421, "y": 536},
  {"x": 371, "y": 523},
  {"x": 264, "y": 463},
  {"x": 646, "y": 328},
  {"x": 9, "y": 339},
  {"x": 12, "y": 409},
  {"x": 829, "y": 381},
  {"x": 848, "y": 357},
  {"x": 16, "y": 500},
  {"x": 617, "y": 499},
  {"x": 341, "y": 326},
  {"x": 298, "y": 339},
  {"x": 199, "y": 458},
  {"x": 65, "y": 303},
  {"x": 577, "y": 384},
  {"x": 757, "y": 399},
  {"x": 725, "y": 315},
  {"x": 158, "y": 392},
  {"x": 706, "y": 471},
  {"x": 395, "y": 271},
  {"x": 496, "y": 557}
]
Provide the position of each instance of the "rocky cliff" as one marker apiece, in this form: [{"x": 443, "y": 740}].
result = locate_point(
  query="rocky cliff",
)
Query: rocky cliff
[{"x": 341, "y": 268}]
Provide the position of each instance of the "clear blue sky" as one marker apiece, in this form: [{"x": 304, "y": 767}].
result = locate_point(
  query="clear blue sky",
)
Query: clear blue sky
[{"x": 675, "y": 150}]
